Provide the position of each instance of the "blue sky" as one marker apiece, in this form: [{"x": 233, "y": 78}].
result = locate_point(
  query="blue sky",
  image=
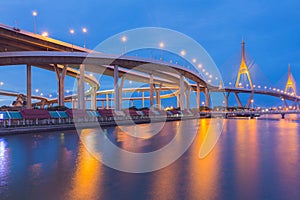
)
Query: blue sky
[{"x": 270, "y": 28}]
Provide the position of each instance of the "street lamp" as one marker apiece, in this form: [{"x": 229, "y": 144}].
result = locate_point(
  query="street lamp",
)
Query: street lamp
[
  {"x": 1, "y": 83},
  {"x": 72, "y": 33},
  {"x": 34, "y": 14},
  {"x": 162, "y": 45},
  {"x": 252, "y": 102},
  {"x": 124, "y": 40},
  {"x": 84, "y": 30}
]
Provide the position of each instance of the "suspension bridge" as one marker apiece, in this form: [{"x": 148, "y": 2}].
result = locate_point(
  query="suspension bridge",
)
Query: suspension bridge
[{"x": 19, "y": 47}]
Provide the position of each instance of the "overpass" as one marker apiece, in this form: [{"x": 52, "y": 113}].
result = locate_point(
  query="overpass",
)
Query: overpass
[{"x": 19, "y": 47}]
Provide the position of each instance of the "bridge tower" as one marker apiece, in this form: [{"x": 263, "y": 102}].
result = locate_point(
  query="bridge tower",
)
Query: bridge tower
[
  {"x": 243, "y": 69},
  {"x": 290, "y": 84}
]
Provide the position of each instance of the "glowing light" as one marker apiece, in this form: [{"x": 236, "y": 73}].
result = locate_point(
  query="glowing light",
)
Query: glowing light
[
  {"x": 182, "y": 53},
  {"x": 194, "y": 60},
  {"x": 34, "y": 13},
  {"x": 124, "y": 38},
  {"x": 203, "y": 70},
  {"x": 210, "y": 76},
  {"x": 36, "y": 90},
  {"x": 161, "y": 45},
  {"x": 50, "y": 95},
  {"x": 200, "y": 66},
  {"x": 72, "y": 31},
  {"x": 45, "y": 34},
  {"x": 1, "y": 83},
  {"x": 84, "y": 30}
]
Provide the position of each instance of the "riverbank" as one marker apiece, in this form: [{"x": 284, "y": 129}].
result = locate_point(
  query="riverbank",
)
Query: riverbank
[{"x": 82, "y": 125}]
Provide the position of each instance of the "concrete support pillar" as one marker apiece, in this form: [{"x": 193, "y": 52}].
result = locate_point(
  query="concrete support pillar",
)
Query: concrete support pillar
[
  {"x": 73, "y": 103},
  {"x": 177, "y": 100},
  {"x": 120, "y": 93},
  {"x": 238, "y": 99},
  {"x": 28, "y": 86},
  {"x": 143, "y": 99},
  {"x": 198, "y": 95},
  {"x": 285, "y": 103},
  {"x": 107, "y": 101},
  {"x": 249, "y": 100},
  {"x": 43, "y": 102},
  {"x": 151, "y": 90},
  {"x": 226, "y": 96},
  {"x": 188, "y": 94},
  {"x": 60, "y": 76},
  {"x": 81, "y": 87},
  {"x": 181, "y": 92},
  {"x": 207, "y": 97},
  {"x": 116, "y": 88},
  {"x": 158, "y": 102},
  {"x": 93, "y": 99}
]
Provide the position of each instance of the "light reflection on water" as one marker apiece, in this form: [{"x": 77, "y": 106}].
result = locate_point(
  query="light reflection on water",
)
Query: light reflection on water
[
  {"x": 4, "y": 165},
  {"x": 253, "y": 159}
]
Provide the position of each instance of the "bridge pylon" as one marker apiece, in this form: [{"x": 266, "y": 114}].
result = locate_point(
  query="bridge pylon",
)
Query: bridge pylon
[
  {"x": 243, "y": 70},
  {"x": 290, "y": 85}
]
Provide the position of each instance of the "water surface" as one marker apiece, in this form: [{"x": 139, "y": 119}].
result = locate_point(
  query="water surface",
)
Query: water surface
[{"x": 253, "y": 159}]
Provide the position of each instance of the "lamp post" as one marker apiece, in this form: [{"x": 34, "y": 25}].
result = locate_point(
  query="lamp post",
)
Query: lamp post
[
  {"x": 161, "y": 46},
  {"x": 84, "y": 30},
  {"x": 124, "y": 40},
  {"x": 72, "y": 33},
  {"x": 252, "y": 102},
  {"x": 34, "y": 14}
]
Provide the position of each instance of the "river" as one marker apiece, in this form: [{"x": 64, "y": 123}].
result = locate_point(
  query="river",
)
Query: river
[{"x": 252, "y": 159}]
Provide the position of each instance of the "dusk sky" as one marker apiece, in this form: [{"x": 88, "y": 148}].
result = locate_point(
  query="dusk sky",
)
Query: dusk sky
[{"x": 270, "y": 28}]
